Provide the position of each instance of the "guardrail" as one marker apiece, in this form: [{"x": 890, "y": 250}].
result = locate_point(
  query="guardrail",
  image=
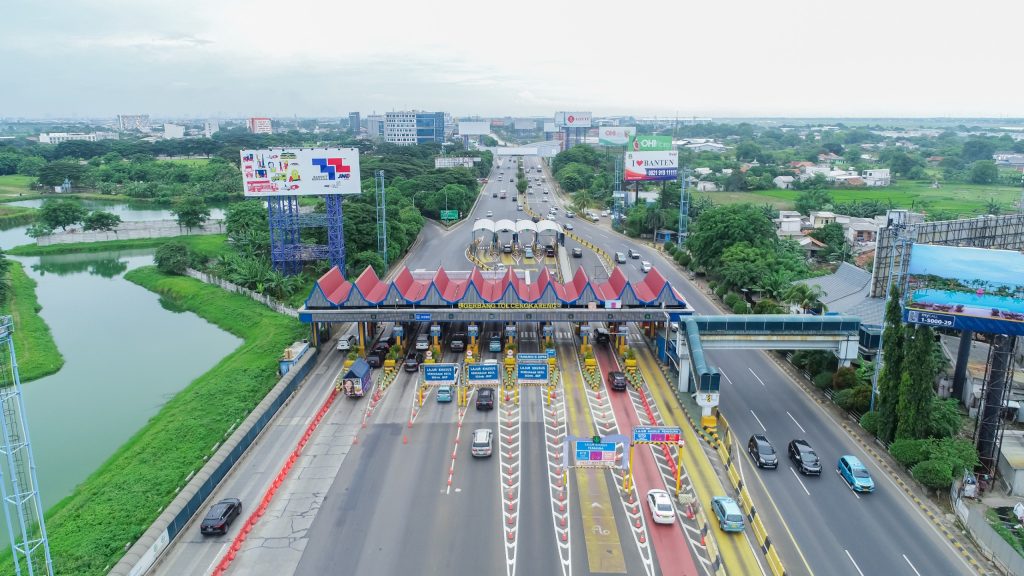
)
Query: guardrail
[{"x": 724, "y": 449}]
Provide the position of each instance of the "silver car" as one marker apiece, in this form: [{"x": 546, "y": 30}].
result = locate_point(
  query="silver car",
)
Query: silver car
[
  {"x": 662, "y": 510},
  {"x": 483, "y": 439}
]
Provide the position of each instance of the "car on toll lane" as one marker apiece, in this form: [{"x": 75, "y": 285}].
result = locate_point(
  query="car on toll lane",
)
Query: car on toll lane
[
  {"x": 660, "y": 504},
  {"x": 762, "y": 452}
]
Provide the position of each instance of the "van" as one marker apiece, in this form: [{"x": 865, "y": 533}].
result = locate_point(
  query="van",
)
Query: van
[
  {"x": 620, "y": 258},
  {"x": 347, "y": 340},
  {"x": 483, "y": 439}
]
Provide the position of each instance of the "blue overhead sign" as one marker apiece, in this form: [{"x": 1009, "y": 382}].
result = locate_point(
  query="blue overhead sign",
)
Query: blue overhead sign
[
  {"x": 657, "y": 434},
  {"x": 423, "y": 316},
  {"x": 595, "y": 451},
  {"x": 532, "y": 372},
  {"x": 531, "y": 357},
  {"x": 551, "y": 352},
  {"x": 474, "y": 330},
  {"x": 482, "y": 372},
  {"x": 439, "y": 372}
]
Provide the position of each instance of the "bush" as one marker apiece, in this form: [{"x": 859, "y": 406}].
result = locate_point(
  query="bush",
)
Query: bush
[
  {"x": 869, "y": 422},
  {"x": 958, "y": 452},
  {"x": 712, "y": 285},
  {"x": 844, "y": 378},
  {"x": 684, "y": 259},
  {"x": 856, "y": 399},
  {"x": 911, "y": 452},
  {"x": 944, "y": 418},
  {"x": 731, "y": 299},
  {"x": 172, "y": 258},
  {"x": 740, "y": 307},
  {"x": 823, "y": 380},
  {"x": 721, "y": 291},
  {"x": 935, "y": 474},
  {"x": 670, "y": 247}
]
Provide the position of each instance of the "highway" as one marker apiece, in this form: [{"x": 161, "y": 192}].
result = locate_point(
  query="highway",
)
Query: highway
[{"x": 377, "y": 499}]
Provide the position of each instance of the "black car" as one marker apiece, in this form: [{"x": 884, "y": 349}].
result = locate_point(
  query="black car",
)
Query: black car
[
  {"x": 602, "y": 336},
  {"x": 617, "y": 381},
  {"x": 550, "y": 251},
  {"x": 804, "y": 457},
  {"x": 412, "y": 361},
  {"x": 762, "y": 451},
  {"x": 485, "y": 399},
  {"x": 577, "y": 252},
  {"x": 220, "y": 516},
  {"x": 375, "y": 359},
  {"x": 458, "y": 342}
]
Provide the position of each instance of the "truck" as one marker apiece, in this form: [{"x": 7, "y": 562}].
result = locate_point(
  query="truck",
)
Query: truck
[
  {"x": 356, "y": 380},
  {"x": 503, "y": 195}
]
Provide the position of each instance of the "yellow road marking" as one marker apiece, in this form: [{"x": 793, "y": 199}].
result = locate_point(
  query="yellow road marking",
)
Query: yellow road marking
[
  {"x": 604, "y": 550},
  {"x": 738, "y": 558}
]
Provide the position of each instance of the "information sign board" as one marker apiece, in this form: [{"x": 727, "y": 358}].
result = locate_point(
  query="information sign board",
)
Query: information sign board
[
  {"x": 440, "y": 373},
  {"x": 595, "y": 451},
  {"x": 449, "y": 214},
  {"x": 423, "y": 316},
  {"x": 532, "y": 373},
  {"x": 531, "y": 357},
  {"x": 482, "y": 372},
  {"x": 474, "y": 330},
  {"x": 657, "y": 434}
]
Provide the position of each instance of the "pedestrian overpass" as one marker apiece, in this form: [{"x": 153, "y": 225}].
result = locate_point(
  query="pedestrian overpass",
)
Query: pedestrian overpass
[{"x": 696, "y": 334}]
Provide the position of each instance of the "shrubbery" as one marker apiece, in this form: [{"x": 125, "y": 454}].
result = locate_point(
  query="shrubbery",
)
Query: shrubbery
[
  {"x": 823, "y": 380},
  {"x": 740, "y": 307},
  {"x": 731, "y": 299},
  {"x": 935, "y": 474},
  {"x": 910, "y": 452},
  {"x": 172, "y": 258},
  {"x": 869, "y": 422}
]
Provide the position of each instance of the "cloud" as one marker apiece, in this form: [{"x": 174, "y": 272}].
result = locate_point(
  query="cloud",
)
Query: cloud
[{"x": 144, "y": 41}]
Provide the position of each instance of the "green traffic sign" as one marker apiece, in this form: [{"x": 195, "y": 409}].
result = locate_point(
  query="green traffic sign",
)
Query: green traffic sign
[{"x": 449, "y": 214}]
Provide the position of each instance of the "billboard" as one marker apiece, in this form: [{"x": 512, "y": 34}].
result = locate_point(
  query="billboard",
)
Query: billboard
[
  {"x": 615, "y": 135},
  {"x": 474, "y": 128},
  {"x": 573, "y": 119},
  {"x": 648, "y": 166},
  {"x": 454, "y": 162},
  {"x": 966, "y": 289},
  {"x": 646, "y": 143},
  {"x": 300, "y": 171}
]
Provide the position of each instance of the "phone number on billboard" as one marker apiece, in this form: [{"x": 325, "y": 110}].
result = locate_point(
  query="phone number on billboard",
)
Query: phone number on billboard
[{"x": 661, "y": 171}]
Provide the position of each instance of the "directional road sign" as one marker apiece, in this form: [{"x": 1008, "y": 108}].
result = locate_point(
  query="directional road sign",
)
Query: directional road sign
[
  {"x": 449, "y": 214},
  {"x": 474, "y": 330},
  {"x": 533, "y": 373},
  {"x": 657, "y": 434},
  {"x": 531, "y": 357},
  {"x": 440, "y": 373},
  {"x": 423, "y": 316},
  {"x": 483, "y": 372},
  {"x": 435, "y": 330},
  {"x": 595, "y": 451}
]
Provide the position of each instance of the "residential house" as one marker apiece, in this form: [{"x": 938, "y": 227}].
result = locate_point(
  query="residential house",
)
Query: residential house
[
  {"x": 702, "y": 171},
  {"x": 876, "y": 177},
  {"x": 783, "y": 182},
  {"x": 848, "y": 180},
  {"x": 830, "y": 158},
  {"x": 810, "y": 246},
  {"x": 1009, "y": 159},
  {"x": 801, "y": 165},
  {"x": 820, "y": 218},
  {"x": 705, "y": 186},
  {"x": 707, "y": 147},
  {"x": 789, "y": 224},
  {"x": 860, "y": 231},
  {"x": 726, "y": 171}
]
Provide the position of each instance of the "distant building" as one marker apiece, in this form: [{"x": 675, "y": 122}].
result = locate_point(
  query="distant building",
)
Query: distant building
[
  {"x": 707, "y": 147},
  {"x": 353, "y": 122},
  {"x": 58, "y": 137},
  {"x": 820, "y": 218},
  {"x": 413, "y": 127},
  {"x": 173, "y": 131},
  {"x": 260, "y": 126},
  {"x": 375, "y": 126},
  {"x": 210, "y": 127},
  {"x": 783, "y": 182},
  {"x": 876, "y": 177},
  {"x": 702, "y": 171},
  {"x": 127, "y": 122}
]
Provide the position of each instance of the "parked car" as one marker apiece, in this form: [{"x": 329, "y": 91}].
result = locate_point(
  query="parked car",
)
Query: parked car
[
  {"x": 444, "y": 393},
  {"x": 855, "y": 474},
  {"x": 577, "y": 252},
  {"x": 483, "y": 440},
  {"x": 804, "y": 457},
  {"x": 412, "y": 361},
  {"x": 617, "y": 381},
  {"x": 645, "y": 266},
  {"x": 423, "y": 342},
  {"x": 762, "y": 451},
  {"x": 620, "y": 258},
  {"x": 485, "y": 399},
  {"x": 662, "y": 510},
  {"x": 634, "y": 254},
  {"x": 730, "y": 517},
  {"x": 220, "y": 516}
]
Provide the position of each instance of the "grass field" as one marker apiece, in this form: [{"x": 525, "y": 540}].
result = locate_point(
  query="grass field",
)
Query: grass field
[
  {"x": 16, "y": 216},
  {"x": 210, "y": 245},
  {"x": 88, "y": 530},
  {"x": 14, "y": 184},
  {"x": 38, "y": 355},
  {"x": 965, "y": 199}
]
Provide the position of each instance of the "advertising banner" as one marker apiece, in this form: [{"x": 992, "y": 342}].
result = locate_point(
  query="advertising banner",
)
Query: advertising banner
[
  {"x": 615, "y": 135},
  {"x": 965, "y": 289},
  {"x": 573, "y": 119},
  {"x": 455, "y": 162},
  {"x": 647, "y": 143},
  {"x": 651, "y": 166},
  {"x": 474, "y": 128},
  {"x": 300, "y": 172}
]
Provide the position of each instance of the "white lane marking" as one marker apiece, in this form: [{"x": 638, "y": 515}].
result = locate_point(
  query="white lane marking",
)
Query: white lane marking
[
  {"x": 797, "y": 423},
  {"x": 797, "y": 476},
  {"x": 758, "y": 420},
  {"x": 854, "y": 563},
  {"x": 722, "y": 372},
  {"x": 911, "y": 565},
  {"x": 756, "y": 376},
  {"x": 217, "y": 558}
]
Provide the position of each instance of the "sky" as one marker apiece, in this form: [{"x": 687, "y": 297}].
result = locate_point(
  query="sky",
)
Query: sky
[{"x": 723, "y": 58}]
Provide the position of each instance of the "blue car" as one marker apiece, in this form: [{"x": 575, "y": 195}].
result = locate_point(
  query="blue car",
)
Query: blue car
[
  {"x": 444, "y": 393},
  {"x": 730, "y": 517},
  {"x": 855, "y": 474}
]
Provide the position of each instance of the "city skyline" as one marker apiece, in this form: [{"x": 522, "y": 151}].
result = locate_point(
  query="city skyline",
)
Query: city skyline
[{"x": 97, "y": 58}]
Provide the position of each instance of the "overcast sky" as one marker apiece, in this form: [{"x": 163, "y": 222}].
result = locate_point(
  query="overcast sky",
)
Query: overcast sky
[{"x": 716, "y": 58}]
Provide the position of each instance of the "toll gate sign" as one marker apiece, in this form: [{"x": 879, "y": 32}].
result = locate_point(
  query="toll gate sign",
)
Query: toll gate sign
[
  {"x": 440, "y": 373},
  {"x": 532, "y": 373},
  {"x": 661, "y": 434},
  {"x": 594, "y": 452},
  {"x": 479, "y": 373}
]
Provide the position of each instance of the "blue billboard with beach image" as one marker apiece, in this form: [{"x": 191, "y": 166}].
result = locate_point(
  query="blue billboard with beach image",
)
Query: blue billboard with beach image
[{"x": 966, "y": 288}]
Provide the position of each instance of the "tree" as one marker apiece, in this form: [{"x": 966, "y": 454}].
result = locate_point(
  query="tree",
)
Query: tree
[
  {"x": 100, "y": 220},
  {"x": 38, "y": 229},
  {"x": 722, "y": 226},
  {"x": 747, "y": 151},
  {"x": 983, "y": 172},
  {"x": 61, "y": 213},
  {"x": 892, "y": 368},
  {"x": 31, "y": 165},
  {"x": 172, "y": 258},
  {"x": 813, "y": 199},
  {"x": 358, "y": 262},
  {"x": 191, "y": 211},
  {"x": 944, "y": 418},
  {"x": 833, "y": 237},
  {"x": 5, "y": 280},
  {"x": 54, "y": 173},
  {"x": 916, "y": 392},
  {"x": 974, "y": 150},
  {"x": 743, "y": 265},
  {"x": 845, "y": 377},
  {"x": 806, "y": 297},
  {"x": 9, "y": 162}
]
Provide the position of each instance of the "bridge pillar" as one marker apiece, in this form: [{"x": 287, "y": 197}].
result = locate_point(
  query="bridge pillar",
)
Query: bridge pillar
[{"x": 362, "y": 338}]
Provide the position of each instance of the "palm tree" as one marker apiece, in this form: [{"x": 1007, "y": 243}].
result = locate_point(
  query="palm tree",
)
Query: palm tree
[
  {"x": 581, "y": 201},
  {"x": 654, "y": 219},
  {"x": 805, "y": 297},
  {"x": 993, "y": 207},
  {"x": 773, "y": 284}
]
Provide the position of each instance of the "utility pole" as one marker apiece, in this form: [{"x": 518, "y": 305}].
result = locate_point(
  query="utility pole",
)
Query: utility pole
[{"x": 684, "y": 208}]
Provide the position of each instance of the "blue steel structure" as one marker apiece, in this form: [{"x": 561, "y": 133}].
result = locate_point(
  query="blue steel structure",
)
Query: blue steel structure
[
  {"x": 684, "y": 208},
  {"x": 19, "y": 487},
  {"x": 287, "y": 252},
  {"x": 618, "y": 196},
  {"x": 382, "y": 218}
]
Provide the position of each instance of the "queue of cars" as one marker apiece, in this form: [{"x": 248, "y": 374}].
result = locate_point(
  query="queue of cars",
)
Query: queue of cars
[{"x": 806, "y": 461}]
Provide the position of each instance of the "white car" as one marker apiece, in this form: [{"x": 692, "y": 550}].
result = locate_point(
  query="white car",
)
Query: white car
[
  {"x": 645, "y": 266},
  {"x": 567, "y": 226},
  {"x": 490, "y": 213},
  {"x": 662, "y": 510}
]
